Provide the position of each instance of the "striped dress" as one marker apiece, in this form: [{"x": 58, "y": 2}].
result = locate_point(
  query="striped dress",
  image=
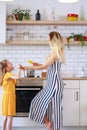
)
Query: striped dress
[{"x": 49, "y": 100}]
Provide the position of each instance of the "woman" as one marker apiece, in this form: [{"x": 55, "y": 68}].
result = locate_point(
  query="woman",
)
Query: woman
[{"x": 46, "y": 107}]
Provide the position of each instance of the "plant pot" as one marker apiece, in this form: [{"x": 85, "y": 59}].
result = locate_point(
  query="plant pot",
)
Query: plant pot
[
  {"x": 16, "y": 16},
  {"x": 26, "y": 16},
  {"x": 76, "y": 38},
  {"x": 85, "y": 38},
  {"x": 20, "y": 16}
]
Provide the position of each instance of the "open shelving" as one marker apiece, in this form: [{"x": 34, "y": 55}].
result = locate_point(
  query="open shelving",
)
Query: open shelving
[
  {"x": 42, "y": 42},
  {"x": 29, "y": 22}
]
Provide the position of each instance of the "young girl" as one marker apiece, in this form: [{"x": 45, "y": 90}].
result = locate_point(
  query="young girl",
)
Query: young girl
[
  {"x": 8, "y": 81},
  {"x": 46, "y": 107}
]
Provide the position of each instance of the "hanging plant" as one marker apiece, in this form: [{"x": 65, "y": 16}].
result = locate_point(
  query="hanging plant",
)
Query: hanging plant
[{"x": 76, "y": 37}]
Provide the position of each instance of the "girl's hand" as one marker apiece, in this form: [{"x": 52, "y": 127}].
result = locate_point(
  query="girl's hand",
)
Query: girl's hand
[{"x": 25, "y": 67}]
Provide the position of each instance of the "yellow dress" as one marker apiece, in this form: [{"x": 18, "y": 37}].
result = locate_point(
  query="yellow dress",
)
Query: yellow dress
[{"x": 9, "y": 97}]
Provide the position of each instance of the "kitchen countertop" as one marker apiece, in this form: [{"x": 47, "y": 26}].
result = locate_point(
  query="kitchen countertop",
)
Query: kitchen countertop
[
  {"x": 35, "y": 82},
  {"x": 74, "y": 78},
  {"x": 64, "y": 78}
]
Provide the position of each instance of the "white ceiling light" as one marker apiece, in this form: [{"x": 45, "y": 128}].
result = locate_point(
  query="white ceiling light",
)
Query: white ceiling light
[{"x": 68, "y": 1}]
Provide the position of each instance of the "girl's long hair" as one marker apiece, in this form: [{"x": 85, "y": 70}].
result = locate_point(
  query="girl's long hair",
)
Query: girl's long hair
[
  {"x": 3, "y": 64},
  {"x": 57, "y": 45}
]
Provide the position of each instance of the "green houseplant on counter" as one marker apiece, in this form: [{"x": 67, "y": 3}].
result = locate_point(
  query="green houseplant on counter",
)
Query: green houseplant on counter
[{"x": 76, "y": 37}]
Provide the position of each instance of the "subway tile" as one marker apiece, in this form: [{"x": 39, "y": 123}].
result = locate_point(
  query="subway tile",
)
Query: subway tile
[{"x": 75, "y": 56}]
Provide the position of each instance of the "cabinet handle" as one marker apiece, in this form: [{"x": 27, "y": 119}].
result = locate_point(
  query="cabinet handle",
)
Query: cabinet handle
[{"x": 77, "y": 96}]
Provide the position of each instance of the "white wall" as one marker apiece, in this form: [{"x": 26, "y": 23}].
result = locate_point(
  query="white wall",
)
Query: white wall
[
  {"x": 75, "y": 57},
  {"x": 46, "y": 6},
  {"x": 2, "y": 20}
]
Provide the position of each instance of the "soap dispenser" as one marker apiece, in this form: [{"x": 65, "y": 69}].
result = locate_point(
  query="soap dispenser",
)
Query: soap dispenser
[{"x": 82, "y": 72}]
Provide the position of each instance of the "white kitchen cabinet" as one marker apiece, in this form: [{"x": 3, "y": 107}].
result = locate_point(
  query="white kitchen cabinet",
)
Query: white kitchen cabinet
[
  {"x": 2, "y": 22},
  {"x": 83, "y": 102},
  {"x": 71, "y": 103}
]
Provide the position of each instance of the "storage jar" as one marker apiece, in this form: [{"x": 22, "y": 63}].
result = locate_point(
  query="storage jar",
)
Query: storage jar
[{"x": 72, "y": 17}]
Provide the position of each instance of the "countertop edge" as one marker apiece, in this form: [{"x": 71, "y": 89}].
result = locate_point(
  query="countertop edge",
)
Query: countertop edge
[{"x": 63, "y": 78}]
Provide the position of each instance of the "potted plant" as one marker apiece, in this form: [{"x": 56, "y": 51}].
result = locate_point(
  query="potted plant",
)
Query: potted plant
[
  {"x": 15, "y": 12},
  {"x": 18, "y": 14},
  {"x": 76, "y": 37},
  {"x": 27, "y": 14}
]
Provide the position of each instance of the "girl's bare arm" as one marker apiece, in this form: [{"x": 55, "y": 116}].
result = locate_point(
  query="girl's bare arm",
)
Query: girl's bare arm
[{"x": 18, "y": 75}]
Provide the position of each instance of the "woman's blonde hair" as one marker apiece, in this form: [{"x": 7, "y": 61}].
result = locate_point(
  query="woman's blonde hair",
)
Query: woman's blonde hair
[
  {"x": 57, "y": 45},
  {"x": 3, "y": 64}
]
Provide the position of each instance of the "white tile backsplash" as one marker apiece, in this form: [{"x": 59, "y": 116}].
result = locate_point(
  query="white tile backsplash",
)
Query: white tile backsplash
[{"x": 75, "y": 55}]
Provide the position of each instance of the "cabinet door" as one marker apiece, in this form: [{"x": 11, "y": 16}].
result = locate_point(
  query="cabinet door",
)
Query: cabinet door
[
  {"x": 83, "y": 102},
  {"x": 71, "y": 103},
  {"x": 2, "y": 22},
  {"x": 71, "y": 107}
]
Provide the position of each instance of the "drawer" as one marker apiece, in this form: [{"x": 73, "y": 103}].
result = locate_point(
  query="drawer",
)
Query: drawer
[{"x": 71, "y": 83}]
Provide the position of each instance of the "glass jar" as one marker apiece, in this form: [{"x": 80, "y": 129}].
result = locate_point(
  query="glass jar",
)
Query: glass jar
[
  {"x": 9, "y": 34},
  {"x": 72, "y": 17},
  {"x": 26, "y": 36}
]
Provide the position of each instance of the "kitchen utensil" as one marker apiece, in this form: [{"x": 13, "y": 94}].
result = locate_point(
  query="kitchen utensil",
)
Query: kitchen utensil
[
  {"x": 43, "y": 74},
  {"x": 72, "y": 17},
  {"x": 30, "y": 73}
]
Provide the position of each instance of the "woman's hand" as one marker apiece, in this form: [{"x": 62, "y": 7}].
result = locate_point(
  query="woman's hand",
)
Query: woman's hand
[
  {"x": 35, "y": 64},
  {"x": 20, "y": 67}
]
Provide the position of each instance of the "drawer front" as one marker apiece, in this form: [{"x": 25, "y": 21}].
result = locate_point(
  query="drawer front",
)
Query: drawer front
[{"x": 71, "y": 83}]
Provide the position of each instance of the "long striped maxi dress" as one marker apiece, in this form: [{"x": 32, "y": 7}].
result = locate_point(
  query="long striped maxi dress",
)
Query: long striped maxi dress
[{"x": 49, "y": 100}]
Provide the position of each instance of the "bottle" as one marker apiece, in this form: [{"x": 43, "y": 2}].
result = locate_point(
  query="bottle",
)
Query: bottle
[
  {"x": 26, "y": 35},
  {"x": 38, "y": 15},
  {"x": 53, "y": 14},
  {"x": 82, "y": 13},
  {"x": 82, "y": 72}
]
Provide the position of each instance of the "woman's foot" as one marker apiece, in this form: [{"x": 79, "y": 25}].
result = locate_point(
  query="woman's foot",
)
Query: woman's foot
[{"x": 49, "y": 125}]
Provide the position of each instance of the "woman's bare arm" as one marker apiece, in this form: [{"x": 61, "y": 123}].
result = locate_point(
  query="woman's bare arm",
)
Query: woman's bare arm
[
  {"x": 48, "y": 62},
  {"x": 36, "y": 64}
]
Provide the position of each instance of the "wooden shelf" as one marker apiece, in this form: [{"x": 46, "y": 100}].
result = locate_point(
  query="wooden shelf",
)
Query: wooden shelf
[
  {"x": 26, "y": 42},
  {"x": 39, "y": 43},
  {"x": 76, "y": 43},
  {"x": 29, "y": 22}
]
